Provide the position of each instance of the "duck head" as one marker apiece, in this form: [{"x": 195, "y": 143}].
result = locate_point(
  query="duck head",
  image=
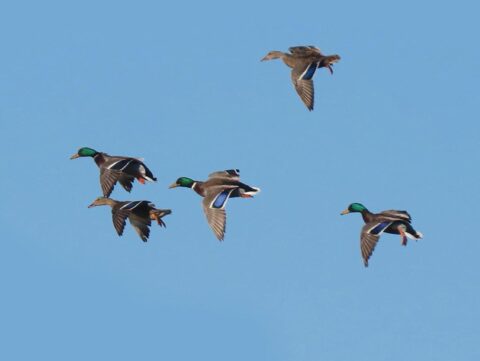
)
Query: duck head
[
  {"x": 183, "y": 182},
  {"x": 101, "y": 201},
  {"x": 274, "y": 54},
  {"x": 84, "y": 152},
  {"x": 354, "y": 208}
]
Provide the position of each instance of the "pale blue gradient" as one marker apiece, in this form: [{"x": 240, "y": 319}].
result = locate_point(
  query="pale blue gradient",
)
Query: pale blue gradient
[{"x": 181, "y": 84}]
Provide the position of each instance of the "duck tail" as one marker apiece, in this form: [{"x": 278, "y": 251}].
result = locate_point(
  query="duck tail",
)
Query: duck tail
[
  {"x": 328, "y": 62},
  {"x": 157, "y": 214},
  {"x": 415, "y": 236},
  {"x": 150, "y": 179},
  {"x": 254, "y": 190},
  {"x": 332, "y": 59}
]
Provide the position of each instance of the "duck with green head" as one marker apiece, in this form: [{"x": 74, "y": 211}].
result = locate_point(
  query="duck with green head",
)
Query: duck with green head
[
  {"x": 391, "y": 221},
  {"x": 115, "y": 169},
  {"x": 304, "y": 61},
  {"x": 216, "y": 191},
  {"x": 139, "y": 213}
]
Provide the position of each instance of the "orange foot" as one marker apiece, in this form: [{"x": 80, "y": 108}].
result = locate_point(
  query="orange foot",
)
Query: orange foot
[
  {"x": 246, "y": 196},
  {"x": 141, "y": 180}
]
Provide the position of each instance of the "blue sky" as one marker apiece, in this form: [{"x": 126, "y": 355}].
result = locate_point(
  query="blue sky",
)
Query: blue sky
[{"x": 182, "y": 85}]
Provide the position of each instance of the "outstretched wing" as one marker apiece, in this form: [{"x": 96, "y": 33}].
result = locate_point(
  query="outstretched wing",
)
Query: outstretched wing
[
  {"x": 108, "y": 178},
  {"x": 118, "y": 217},
  {"x": 214, "y": 207},
  {"x": 302, "y": 75},
  {"x": 141, "y": 226},
  {"x": 369, "y": 237},
  {"x": 233, "y": 174},
  {"x": 126, "y": 182}
]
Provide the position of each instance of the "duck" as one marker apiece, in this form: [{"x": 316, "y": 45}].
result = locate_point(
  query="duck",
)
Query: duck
[
  {"x": 216, "y": 191},
  {"x": 391, "y": 221},
  {"x": 115, "y": 169},
  {"x": 139, "y": 213},
  {"x": 304, "y": 61}
]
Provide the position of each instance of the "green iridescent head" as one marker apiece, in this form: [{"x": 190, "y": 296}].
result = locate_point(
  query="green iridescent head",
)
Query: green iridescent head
[
  {"x": 354, "y": 208},
  {"x": 84, "y": 152},
  {"x": 183, "y": 182}
]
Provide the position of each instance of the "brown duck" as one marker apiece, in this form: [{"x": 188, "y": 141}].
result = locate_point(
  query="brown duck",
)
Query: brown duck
[
  {"x": 391, "y": 221},
  {"x": 216, "y": 191},
  {"x": 304, "y": 61},
  {"x": 139, "y": 213},
  {"x": 115, "y": 169}
]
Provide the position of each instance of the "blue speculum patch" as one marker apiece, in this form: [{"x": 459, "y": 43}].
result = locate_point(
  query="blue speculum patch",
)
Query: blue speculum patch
[
  {"x": 310, "y": 71},
  {"x": 379, "y": 228},
  {"x": 221, "y": 199}
]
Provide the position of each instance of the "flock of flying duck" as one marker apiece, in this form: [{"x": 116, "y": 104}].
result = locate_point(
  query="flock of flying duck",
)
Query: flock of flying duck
[{"x": 223, "y": 185}]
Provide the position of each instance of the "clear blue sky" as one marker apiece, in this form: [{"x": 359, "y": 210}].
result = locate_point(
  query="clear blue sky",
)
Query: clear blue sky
[{"x": 181, "y": 84}]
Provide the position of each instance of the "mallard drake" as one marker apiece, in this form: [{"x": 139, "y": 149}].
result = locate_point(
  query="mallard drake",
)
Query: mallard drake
[
  {"x": 139, "y": 213},
  {"x": 304, "y": 61},
  {"x": 116, "y": 168},
  {"x": 391, "y": 221},
  {"x": 216, "y": 190}
]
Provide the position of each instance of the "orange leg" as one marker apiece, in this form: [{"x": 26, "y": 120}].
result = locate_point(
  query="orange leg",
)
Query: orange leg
[
  {"x": 155, "y": 217},
  {"x": 141, "y": 180},
  {"x": 403, "y": 236},
  {"x": 246, "y": 196}
]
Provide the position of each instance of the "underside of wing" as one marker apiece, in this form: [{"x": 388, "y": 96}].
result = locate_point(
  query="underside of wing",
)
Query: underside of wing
[
  {"x": 302, "y": 80},
  {"x": 214, "y": 207},
  {"x": 141, "y": 226},
  {"x": 369, "y": 237},
  {"x": 305, "y": 90},
  {"x": 108, "y": 179},
  {"x": 118, "y": 217},
  {"x": 217, "y": 219}
]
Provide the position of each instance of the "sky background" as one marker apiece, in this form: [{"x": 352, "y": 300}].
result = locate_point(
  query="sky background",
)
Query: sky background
[{"x": 181, "y": 85}]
